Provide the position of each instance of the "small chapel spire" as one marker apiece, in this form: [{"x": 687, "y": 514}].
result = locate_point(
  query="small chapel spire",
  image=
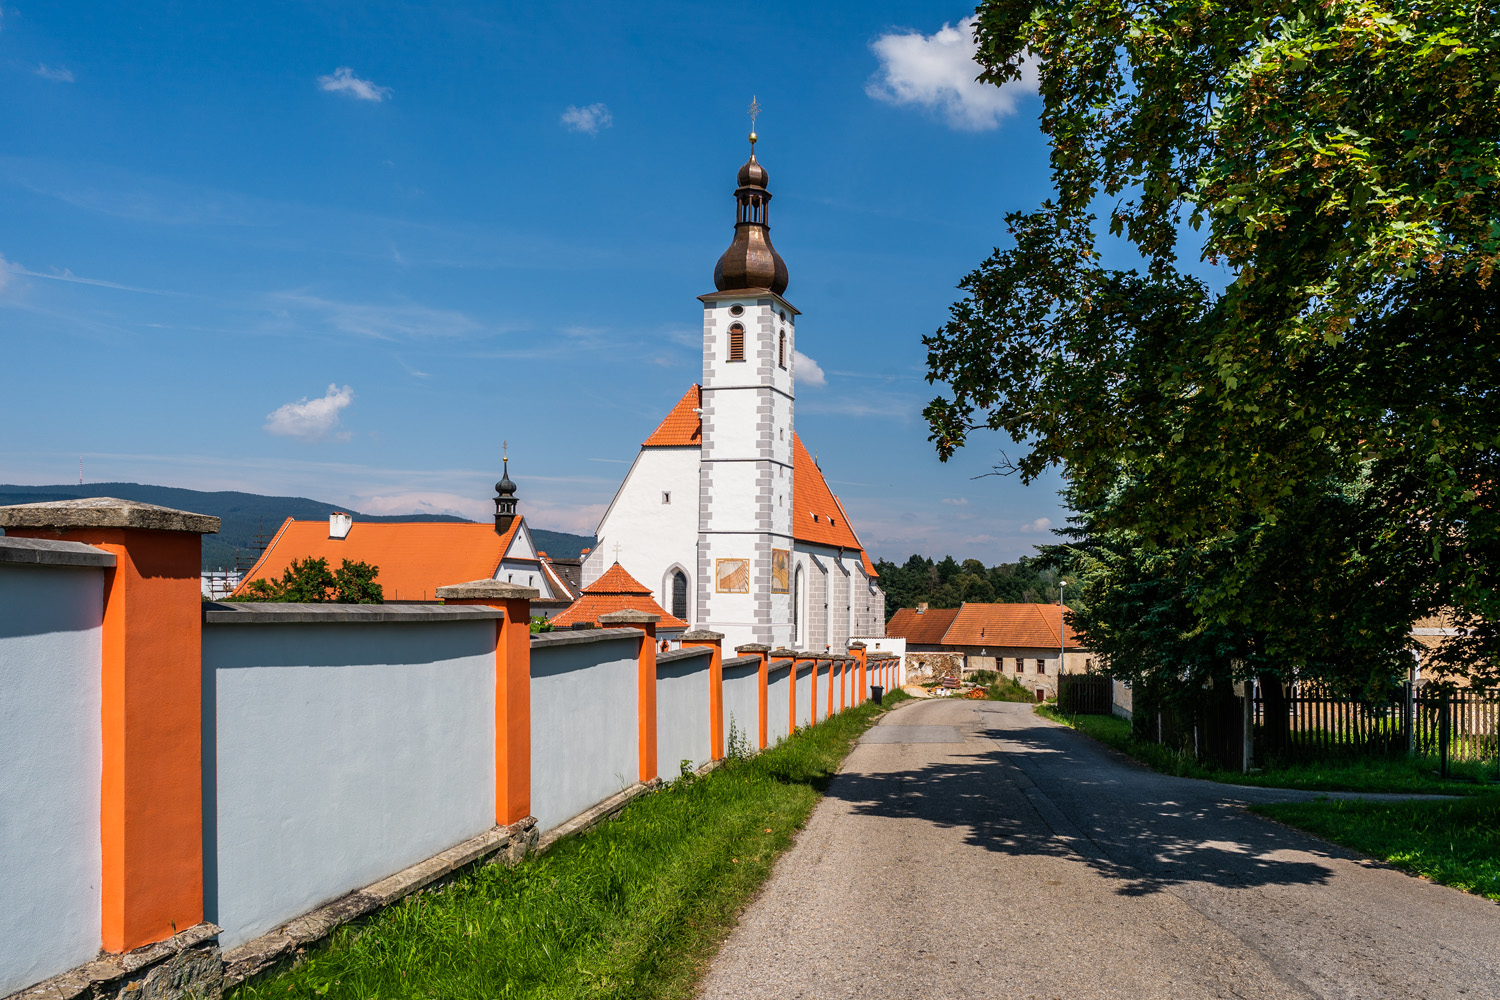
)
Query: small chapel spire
[
  {"x": 505, "y": 494},
  {"x": 751, "y": 261}
]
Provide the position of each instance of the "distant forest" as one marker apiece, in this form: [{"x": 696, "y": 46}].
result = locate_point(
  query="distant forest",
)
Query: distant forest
[{"x": 949, "y": 583}]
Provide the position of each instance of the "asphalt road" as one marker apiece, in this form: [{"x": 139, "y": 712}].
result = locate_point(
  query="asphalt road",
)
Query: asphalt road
[{"x": 972, "y": 849}]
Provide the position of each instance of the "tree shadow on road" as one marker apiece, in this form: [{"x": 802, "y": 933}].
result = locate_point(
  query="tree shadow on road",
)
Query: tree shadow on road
[{"x": 1052, "y": 793}]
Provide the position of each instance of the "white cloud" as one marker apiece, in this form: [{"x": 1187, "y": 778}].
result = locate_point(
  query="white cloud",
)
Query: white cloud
[
  {"x": 311, "y": 419},
  {"x": 938, "y": 72},
  {"x": 1040, "y": 524},
  {"x": 382, "y": 322},
  {"x": 343, "y": 81},
  {"x": 809, "y": 372},
  {"x": 956, "y": 501},
  {"x": 59, "y": 73},
  {"x": 588, "y": 119}
]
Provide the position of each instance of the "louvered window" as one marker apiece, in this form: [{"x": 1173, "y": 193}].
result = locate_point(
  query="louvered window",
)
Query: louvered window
[
  {"x": 781, "y": 351},
  {"x": 736, "y": 343}
]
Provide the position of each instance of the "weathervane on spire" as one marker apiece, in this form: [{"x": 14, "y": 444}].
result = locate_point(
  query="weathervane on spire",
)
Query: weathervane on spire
[{"x": 754, "y": 112}]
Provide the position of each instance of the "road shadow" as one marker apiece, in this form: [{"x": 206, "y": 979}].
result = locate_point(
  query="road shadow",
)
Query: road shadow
[{"x": 1050, "y": 793}]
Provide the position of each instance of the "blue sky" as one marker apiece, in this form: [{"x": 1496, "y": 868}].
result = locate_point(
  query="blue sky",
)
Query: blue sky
[{"x": 344, "y": 250}]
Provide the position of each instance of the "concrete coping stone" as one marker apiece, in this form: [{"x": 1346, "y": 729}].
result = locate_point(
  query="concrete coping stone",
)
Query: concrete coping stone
[
  {"x": 673, "y": 655},
  {"x": 780, "y": 664},
  {"x": 702, "y": 635},
  {"x": 105, "y": 512},
  {"x": 50, "y": 552},
  {"x": 275, "y": 613},
  {"x": 753, "y": 647},
  {"x": 741, "y": 661},
  {"x": 784, "y": 653},
  {"x": 628, "y": 616},
  {"x": 487, "y": 590},
  {"x": 571, "y": 637},
  {"x": 856, "y": 644}
]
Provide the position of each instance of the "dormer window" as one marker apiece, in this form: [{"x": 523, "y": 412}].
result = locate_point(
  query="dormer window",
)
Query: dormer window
[
  {"x": 815, "y": 518},
  {"x": 736, "y": 343}
]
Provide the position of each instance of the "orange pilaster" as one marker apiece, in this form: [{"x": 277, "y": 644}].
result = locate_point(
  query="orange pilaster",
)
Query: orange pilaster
[
  {"x": 762, "y": 681},
  {"x": 151, "y": 802},
  {"x": 512, "y": 691},
  {"x": 646, "y": 702}
]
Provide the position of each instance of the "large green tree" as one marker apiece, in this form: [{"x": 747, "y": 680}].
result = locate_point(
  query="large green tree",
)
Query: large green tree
[
  {"x": 311, "y": 581},
  {"x": 1341, "y": 162}
]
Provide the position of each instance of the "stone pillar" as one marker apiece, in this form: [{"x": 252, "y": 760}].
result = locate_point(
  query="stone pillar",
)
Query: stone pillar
[
  {"x": 861, "y": 692},
  {"x": 759, "y": 649},
  {"x": 645, "y": 698},
  {"x": 791, "y": 708},
  {"x": 713, "y": 641},
  {"x": 512, "y": 689},
  {"x": 151, "y": 802}
]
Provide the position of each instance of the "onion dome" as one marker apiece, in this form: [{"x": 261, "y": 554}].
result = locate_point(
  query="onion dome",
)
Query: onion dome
[
  {"x": 751, "y": 261},
  {"x": 505, "y": 500}
]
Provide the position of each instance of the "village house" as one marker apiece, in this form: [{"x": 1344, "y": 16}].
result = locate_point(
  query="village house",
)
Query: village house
[{"x": 1016, "y": 640}]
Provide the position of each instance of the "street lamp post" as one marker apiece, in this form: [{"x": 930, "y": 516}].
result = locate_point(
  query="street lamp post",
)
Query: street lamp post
[{"x": 1062, "y": 639}]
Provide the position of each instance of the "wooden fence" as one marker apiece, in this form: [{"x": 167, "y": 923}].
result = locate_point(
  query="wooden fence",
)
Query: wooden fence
[
  {"x": 1461, "y": 725},
  {"x": 1085, "y": 694}
]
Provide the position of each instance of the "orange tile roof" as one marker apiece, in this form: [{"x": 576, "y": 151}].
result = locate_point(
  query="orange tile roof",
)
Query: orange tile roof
[
  {"x": 616, "y": 590},
  {"x": 1006, "y": 625},
  {"x": 926, "y": 628},
  {"x": 414, "y": 557},
  {"x": 816, "y": 514},
  {"x": 683, "y": 426}
]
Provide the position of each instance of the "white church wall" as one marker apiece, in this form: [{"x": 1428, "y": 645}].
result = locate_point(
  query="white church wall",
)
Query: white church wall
[
  {"x": 524, "y": 574},
  {"x": 653, "y": 535}
]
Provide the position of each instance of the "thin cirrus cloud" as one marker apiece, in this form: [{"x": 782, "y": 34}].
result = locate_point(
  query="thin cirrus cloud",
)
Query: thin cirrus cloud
[
  {"x": 312, "y": 419},
  {"x": 809, "y": 372},
  {"x": 343, "y": 81},
  {"x": 588, "y": 119},
  {"x": 938, "y": 71},
  {"x": 60, "y": 74}
]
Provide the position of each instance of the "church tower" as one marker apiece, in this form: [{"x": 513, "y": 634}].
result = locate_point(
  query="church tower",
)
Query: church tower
[{"x": 745, "y": 479}]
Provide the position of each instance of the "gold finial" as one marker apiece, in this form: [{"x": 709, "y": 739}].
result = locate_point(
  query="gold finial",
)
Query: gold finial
[
  {"x": 754, "y": 112},
  {"x": 505, "y": 451}
]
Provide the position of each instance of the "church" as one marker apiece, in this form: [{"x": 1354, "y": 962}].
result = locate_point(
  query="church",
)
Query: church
[{"x": 724, "y": 512}]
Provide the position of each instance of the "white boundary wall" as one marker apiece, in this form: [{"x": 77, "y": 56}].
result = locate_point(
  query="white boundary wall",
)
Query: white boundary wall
[
  {"x": 742, "y": 701},
  {"x": 804, "y": 693},
  {"x": 584, "y": 721},
  {"x": 682, "y": 729},
  {"x": 51, "y": 753},
  {"x": 778, "y": 692},
  {"x": 344, "y": 752}
]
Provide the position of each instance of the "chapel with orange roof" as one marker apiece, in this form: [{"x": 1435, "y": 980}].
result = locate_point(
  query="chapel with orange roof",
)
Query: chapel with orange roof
[{"x": 724, "y": 513}]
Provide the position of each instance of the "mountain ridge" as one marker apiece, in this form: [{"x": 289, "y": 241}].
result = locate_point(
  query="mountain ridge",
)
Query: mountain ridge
[{"x": 245, "y": 516}]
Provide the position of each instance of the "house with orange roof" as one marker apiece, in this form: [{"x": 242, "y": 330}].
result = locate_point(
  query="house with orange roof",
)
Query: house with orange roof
[
  {"x": 724, "y": 514},
  {"x": 415, "y": 558},
  {"x": 1021, "y": 640}
]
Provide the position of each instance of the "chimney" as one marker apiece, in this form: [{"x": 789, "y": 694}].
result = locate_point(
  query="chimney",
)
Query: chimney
[
  {"x": 339, "y": 524},
  {"x": 922, "y": 608}
]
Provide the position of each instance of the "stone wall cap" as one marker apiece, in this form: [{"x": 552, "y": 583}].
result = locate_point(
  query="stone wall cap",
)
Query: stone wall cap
[
  {"x": 486, "y": 590},
  {"x": 105, "y": 512},
  {"x": 628, "y": 616},
  {"x": 277, "y": 613},
  {"x": 702, "y": 635},
  {"x": 735, "y": 662},
  {"x": 569, "y": 637},
  {"x": 784, "y": 652},
  {"x": 52, "y": 552},
  {"x": 686, "y": 652},
  {"x": 856, "y": 644},
  {"x": 753, "y": 647}
]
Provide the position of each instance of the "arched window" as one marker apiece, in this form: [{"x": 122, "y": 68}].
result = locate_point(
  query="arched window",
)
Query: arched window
[
  {"x": 736, "y": 343},
  {"x": 781, "y": 351},
  {"x": 679, "y": 595}
]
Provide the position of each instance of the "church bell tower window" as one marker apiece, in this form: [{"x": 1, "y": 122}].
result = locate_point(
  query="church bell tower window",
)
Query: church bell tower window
[
  {"x": 736, "y": 343},
  {"x": 781, "y": 351}
]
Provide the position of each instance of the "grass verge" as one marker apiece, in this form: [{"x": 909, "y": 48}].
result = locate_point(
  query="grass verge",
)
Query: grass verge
[
  {"x": 1413, "y": 775},
  {"x": 633, "y": 908},
  {"x": 1454, "y": 843}
]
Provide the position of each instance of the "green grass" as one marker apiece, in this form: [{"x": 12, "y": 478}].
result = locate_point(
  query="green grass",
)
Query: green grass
[
  {"x": 633, "y": 908},
  {"x": 1416, "y": 775},
  {"x": 1454, "y": 843}
]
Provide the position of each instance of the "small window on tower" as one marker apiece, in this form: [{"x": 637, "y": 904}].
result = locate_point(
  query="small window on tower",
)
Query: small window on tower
[
  {"x": 781, "y": 351},
  {"x": 736, "y": 310},
  {"x": 736, "y": 343},
  {"x": 666, "y": 496}
]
